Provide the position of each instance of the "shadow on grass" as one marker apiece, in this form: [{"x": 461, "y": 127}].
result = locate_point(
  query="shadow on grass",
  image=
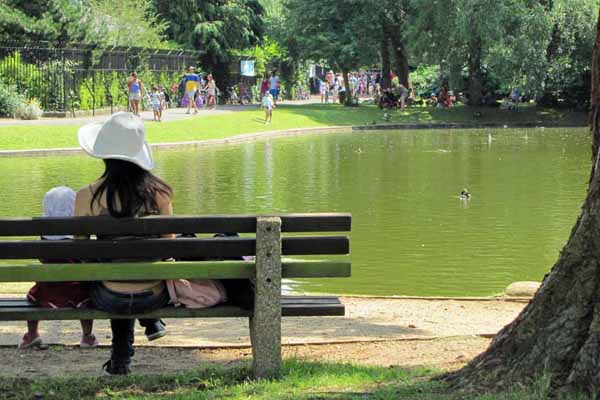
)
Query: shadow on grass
[{"x": 299, "y": 380}]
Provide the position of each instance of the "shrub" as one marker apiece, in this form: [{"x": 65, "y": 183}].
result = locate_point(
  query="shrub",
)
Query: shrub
[
  {"x": 29, "y": 110},
  {"x": 10, "y": 100}
]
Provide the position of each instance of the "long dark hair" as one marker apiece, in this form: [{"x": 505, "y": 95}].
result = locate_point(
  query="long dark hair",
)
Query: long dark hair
[{"x": 130, "y": 190}]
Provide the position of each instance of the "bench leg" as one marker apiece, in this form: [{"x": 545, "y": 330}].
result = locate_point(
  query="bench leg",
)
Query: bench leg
[{"x": 265, "y": 324}]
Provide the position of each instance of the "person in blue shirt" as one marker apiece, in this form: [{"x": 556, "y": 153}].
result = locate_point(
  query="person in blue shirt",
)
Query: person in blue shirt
[
  {"x": 191, "y": 82},
  {"x": 135, "y": 89}
]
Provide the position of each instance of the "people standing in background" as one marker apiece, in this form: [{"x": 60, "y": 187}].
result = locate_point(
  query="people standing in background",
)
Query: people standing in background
[
  {"x": 403, "y": 92},
  {"x": 264, "y": 86},
  {"x": 135, "y": 88},
  {"x": 323, "y": 91},
  {"x": 156, "y": 104},
  {"x": 192, "y": 84},
  {"x": 211, "y": 92},
  {"x": 274, "y": 86}
]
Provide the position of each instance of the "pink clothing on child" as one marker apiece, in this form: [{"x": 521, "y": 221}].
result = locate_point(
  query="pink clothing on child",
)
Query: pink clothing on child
[{"x": 196, "y": 293}]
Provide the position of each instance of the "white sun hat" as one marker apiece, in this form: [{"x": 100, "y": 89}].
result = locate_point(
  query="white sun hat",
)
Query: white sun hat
[{"x": 122, "y": 137}]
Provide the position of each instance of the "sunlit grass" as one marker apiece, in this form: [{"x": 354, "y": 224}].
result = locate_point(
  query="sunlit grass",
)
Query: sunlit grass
[
  {"x": 301, "y": 380},
  {"x": 221, "y": 126}
]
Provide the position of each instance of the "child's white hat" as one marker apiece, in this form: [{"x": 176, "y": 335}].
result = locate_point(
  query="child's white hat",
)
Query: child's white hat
[{"x": 59, "y": 202}]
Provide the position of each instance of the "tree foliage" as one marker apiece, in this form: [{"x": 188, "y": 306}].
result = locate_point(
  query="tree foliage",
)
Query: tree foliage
[
  {"x": 540, "y": 46},
  {"x": 97, "y": 22},
  {"x": 214, "y": 27}
]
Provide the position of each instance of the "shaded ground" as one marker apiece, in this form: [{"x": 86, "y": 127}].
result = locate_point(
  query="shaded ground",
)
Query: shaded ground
[{"x": 59, "y": 361}]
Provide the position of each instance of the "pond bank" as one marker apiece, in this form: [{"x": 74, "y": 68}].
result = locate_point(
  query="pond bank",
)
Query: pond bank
[
  {"x": 232, "y": 121},
  {"x": 247, "y": 137}
]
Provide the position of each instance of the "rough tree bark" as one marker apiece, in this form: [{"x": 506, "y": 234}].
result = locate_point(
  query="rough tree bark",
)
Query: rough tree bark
[
  {"x": 558, "y": 334},
  {"x": 398, "y": 49},
  {"x": 348, "y": 96},
  {"x": 386, "y": 82},
  {"x": 475, "y": 85},
  {"x": 400, "y": 59}
]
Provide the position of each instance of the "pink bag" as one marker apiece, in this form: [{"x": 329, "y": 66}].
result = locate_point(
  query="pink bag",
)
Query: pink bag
[{"x": 196, "y": 293}]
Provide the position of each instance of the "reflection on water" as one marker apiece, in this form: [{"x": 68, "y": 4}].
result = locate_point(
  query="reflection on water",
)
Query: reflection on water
[{"x": 412, "y": 234}]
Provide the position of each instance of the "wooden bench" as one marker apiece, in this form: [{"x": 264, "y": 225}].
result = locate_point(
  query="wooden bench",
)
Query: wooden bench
[{"x": 261, "y": 236}]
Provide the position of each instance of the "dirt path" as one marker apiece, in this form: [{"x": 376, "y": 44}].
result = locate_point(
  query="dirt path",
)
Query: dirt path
[
  {"x": 59, "y": 361},
  {"x": 171, "y": 114},
  {"x": 367, "y": 319},
  {"x": 376, "y": 331}
]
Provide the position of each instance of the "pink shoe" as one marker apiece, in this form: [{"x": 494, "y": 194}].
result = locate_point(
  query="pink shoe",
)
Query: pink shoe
[
  {"x": 88, "y": 341},
  {"x": 30, "y": 341}
]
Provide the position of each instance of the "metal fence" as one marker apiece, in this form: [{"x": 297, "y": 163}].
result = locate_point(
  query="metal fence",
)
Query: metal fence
[{"x": 85, "y": 77}]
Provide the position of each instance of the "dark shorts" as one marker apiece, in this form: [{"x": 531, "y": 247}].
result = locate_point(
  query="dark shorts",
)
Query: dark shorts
[
  {"x": 124, "y": 303},
  {"x": 274, "y": 93}
]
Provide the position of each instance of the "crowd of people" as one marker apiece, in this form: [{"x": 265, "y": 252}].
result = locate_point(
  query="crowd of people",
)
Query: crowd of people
[
  {"x": 192, "y": 92},
  {"x": 195, "y": 91}
]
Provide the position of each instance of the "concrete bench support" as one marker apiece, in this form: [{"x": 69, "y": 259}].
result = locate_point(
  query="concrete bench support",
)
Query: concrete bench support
[{"x": 265, "y": 324}]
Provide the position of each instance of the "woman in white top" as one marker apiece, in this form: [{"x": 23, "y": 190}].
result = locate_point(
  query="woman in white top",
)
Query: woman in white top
[{"x": 211, "y": 92}]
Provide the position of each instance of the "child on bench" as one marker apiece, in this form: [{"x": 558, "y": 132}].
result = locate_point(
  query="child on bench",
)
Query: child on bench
[{"x": 59, "y": 202}]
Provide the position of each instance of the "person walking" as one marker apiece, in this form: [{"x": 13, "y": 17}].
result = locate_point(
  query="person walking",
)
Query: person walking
[
  {"x": 135, "y": 89},
  {"x": 274, "y": 86},
  {"x": 211, "y": 92},
  {"x": 126, "y": 189},
  {"x": 191, "y": 83}
]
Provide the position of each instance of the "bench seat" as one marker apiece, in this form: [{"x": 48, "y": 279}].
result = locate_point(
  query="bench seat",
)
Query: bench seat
[
  {"x": 16, "y": 309},
  {"x": 269, "y": 241}
]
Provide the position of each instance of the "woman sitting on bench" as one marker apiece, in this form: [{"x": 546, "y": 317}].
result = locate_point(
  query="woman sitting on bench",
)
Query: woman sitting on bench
[{"x": 126, "y": 189}]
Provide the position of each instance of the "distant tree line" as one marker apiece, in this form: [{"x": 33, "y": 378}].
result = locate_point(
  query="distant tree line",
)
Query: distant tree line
[
  {"x": 542, "y": 47},
  {"x": 214, "y": 27}
]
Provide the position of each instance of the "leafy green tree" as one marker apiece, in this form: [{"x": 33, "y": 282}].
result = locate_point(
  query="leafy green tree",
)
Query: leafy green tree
[
  {"x": 214, "y": 27},
  {"x": 339, "y": 33},
  {"x": 126, "y": 23},
  {"x": 54, "y": 21},
  {"x": 98, "y": 22},
  {"x": 541, "y": 46}
]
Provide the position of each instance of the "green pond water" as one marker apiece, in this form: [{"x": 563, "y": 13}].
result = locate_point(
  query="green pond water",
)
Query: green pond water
[{"x": 412, "y": 234}]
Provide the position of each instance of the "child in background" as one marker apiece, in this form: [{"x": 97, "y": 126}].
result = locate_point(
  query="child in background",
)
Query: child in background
[
  {"x": 268, "y": 104},
  {"x": 156, "y": 104},
  {"x": 162, "y": 95},
  {"x": 323, "y": 91},
  {"x": 59, "y": 202}
]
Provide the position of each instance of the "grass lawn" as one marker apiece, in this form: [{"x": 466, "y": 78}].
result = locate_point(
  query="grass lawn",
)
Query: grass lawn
[
  {"x": 286, "y": 117},
  {"x": 299, "y": 380}
]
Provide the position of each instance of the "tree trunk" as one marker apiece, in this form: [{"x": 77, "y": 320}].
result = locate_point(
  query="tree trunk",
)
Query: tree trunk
[
  {"x": 475, "y": 76},
  {"x": 558, "y": 334},
  {"x": 400, "y": 59},
  {"x": 386, "y": 82},
  {"x": 348, "y": 99}
]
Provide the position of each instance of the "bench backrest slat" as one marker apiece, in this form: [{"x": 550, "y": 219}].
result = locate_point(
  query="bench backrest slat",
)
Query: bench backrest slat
[
  {"x": 156, "y": 225},
  {"x": 166, "y": 270},
  {"x": 165, "y": 248}
]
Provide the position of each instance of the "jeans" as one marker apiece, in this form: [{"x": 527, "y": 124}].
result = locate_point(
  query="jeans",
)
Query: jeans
[{"x": 123, "y": 303}]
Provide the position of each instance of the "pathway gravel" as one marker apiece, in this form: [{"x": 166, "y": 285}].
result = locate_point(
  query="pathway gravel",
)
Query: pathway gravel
[{"x": 367, "y": 319}]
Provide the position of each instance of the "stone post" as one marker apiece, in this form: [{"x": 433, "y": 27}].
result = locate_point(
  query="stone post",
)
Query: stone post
[{"x": 265, "y": 324}]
